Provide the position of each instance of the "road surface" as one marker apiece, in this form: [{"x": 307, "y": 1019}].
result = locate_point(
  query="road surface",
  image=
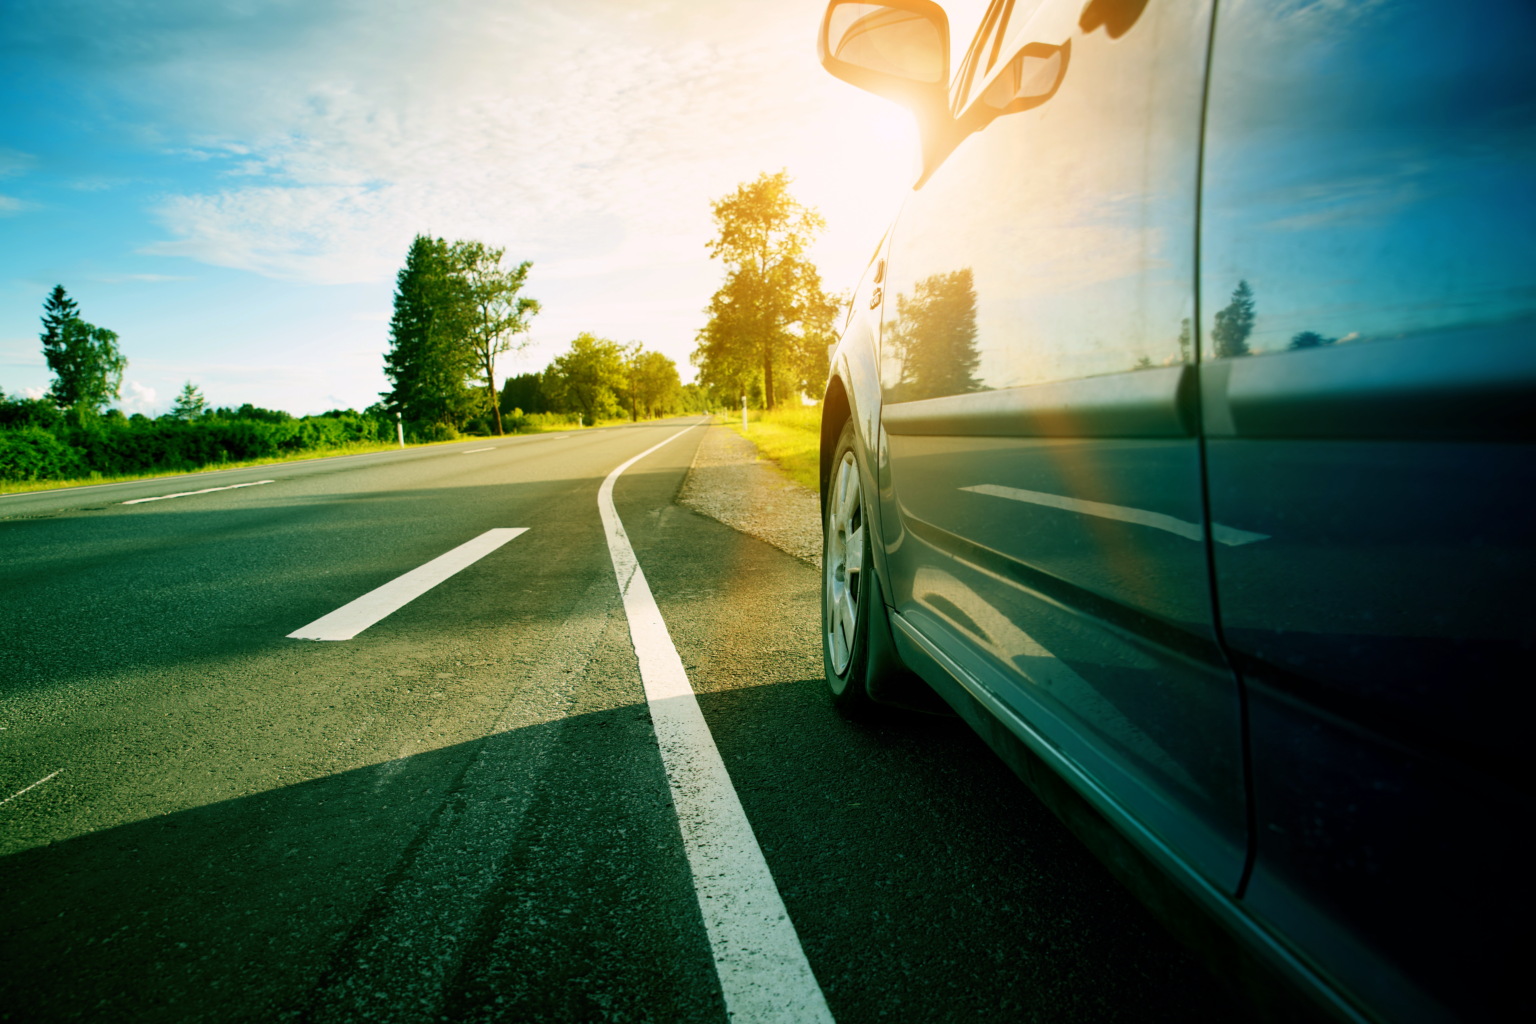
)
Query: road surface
[{"x": 464, "y": 812}]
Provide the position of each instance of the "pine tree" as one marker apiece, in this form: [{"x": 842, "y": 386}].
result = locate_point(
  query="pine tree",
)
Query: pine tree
[
  {"x": 1234, "y": 324},
  {"x": 87, "y": 365},
  {"x": 934, "y": 335},
  {"x": 58, "y": 309},
  {"x": 190, "y": 404},
  {"x": 428, "y": 362}
]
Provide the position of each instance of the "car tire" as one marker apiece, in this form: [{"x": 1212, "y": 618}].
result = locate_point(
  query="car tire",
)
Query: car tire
[{"x": 848, "y": 588}]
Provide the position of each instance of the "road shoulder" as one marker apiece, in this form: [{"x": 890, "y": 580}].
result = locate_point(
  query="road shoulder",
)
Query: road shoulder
[{"x": 728, "y": 481}]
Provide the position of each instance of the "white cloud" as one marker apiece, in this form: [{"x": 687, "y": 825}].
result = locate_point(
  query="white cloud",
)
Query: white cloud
[
  {"x": 137, "y": 398},
  {"x": 10, "y": 205},
  {"x": 35, "y": 392},
  {"x": 587, "y": 136}
]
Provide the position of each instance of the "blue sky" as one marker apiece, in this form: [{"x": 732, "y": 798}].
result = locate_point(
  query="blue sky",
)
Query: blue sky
[{"x": 232, "y": 186}]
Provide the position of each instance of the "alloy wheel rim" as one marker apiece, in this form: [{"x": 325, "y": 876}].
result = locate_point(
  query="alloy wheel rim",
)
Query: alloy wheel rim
[{"x": 845, "y": 562}]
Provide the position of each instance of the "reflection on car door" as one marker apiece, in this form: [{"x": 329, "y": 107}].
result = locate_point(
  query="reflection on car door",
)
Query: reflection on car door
[
  {"x": 1044, "y": 516},
  {"x": 1369, "y": 326}
]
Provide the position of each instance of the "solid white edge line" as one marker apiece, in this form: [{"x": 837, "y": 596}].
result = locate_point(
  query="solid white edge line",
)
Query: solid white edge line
[
  {"x": 473, "y": 450},
  {"x": 205, "y": 490},
  {"x": 355, "y": 616},
  {"x": 1229, "y": 535},
  {"x": 762, "y": 968},
  {"x": 34, "y": 785}
]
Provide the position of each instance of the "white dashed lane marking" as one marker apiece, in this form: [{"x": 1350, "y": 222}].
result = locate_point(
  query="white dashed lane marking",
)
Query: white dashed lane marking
[
  {"x": 34, "y": 785},
  {"x": 205, "y": 490},
  {"x": 352, "y": 618}
]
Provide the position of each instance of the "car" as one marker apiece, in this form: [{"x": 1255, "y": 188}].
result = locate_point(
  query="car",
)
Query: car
[{"x": 1179, "y": 439}]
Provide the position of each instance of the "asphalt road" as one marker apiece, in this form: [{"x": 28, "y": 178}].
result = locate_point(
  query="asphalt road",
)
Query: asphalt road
[{"x": 463, "y": 812}]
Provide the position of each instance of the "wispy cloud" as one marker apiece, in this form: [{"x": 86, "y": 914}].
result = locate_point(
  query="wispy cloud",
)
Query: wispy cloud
[
  {"x": 11, "y": 205},
  {"x": 144, "y": 278},
  {"x": 589, "y": 135}
]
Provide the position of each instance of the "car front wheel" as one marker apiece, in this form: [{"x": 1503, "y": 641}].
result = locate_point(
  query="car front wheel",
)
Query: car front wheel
[{"x": 846, "y": 583}]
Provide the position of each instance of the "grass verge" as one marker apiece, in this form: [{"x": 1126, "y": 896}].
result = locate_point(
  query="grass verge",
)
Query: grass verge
[
  {"x": 789, "y": 436},
  {"x": 28, "y": 486}
]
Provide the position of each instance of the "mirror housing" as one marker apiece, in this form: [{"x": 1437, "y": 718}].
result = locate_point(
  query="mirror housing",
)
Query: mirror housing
[{"x": 898, "y": 50}]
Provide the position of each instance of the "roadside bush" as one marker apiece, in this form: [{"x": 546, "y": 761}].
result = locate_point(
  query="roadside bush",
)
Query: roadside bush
[
  {"x": 519, "y": 422},
  {"x": 78, "y": 445},
  {"x": 29, "y": 412},
  {"x": 33, "y": 454},
  {"x": 434, "y": 432}
]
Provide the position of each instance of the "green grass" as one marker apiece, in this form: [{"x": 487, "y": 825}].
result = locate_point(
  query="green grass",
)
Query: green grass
[{"x": 790, "y": 437}]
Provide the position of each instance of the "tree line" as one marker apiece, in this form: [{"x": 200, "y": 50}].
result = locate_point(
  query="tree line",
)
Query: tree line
[{"x": 456, "y": 309}]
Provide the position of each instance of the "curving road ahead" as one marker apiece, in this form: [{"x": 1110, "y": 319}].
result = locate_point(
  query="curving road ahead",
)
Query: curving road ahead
[{"x": 463, "y": 812}]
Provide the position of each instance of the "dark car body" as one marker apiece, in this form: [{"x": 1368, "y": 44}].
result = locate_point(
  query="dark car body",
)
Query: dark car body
[{"x": 1194, "y": 389}]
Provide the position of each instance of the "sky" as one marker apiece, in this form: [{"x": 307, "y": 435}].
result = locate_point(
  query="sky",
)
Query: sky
[{"x": 231, "y": 185}]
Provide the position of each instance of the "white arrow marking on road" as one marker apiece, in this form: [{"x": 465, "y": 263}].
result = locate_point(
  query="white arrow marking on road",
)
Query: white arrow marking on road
[
  {"x": 205, "y": 490},
  {"x": 351, "y": 619},
  {"x": 763, "y": 972}
]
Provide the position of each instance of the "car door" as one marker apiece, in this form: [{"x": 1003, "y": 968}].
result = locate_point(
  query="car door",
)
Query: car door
[
  {"x": 1041, "y": 495},
  {"x": 1369, "y": 336}
]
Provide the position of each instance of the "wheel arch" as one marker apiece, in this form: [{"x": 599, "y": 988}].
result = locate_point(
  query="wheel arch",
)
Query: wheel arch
[{"x": 835, "y": 411}]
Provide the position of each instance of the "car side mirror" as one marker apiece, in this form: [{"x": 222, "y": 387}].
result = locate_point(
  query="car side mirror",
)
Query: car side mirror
[{"x": 898, "y": 49}]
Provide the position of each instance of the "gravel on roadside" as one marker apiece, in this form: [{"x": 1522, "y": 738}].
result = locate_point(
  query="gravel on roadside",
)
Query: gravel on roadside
[{"x": 730, "y": 482}]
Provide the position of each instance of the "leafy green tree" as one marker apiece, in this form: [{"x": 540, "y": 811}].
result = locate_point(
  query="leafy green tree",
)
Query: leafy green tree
[
  {"x": 190, "y": 403},
  {"x": 497, "y": 314},
  {"x": 1234, "y": 324},
  {"x": 428, "y": 363},
  {"x": 86, "y": 362},
  {"x": 771, "y": 309},
  {"x": 656, "y": 384},
  {"x": 934, "y": 336},
  {"x": 588, "y": 379}
]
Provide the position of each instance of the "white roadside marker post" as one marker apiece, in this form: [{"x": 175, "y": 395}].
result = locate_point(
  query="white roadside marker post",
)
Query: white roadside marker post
[
  {"x": 400, "y": 429},
  {"x": 743, "y": 414}
]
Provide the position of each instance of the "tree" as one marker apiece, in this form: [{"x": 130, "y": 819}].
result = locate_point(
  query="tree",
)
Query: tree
[
  {"x": 525, "y": 392},
  {"x": 654, "y": 385},
  {"x": 1234, "y": 324},
  {"x": 58, "y": 309},
  {"x": 934, "y": 337},
  {"x": 190, "y": 404},
  {"x": 771, "y": 306},
  {"x": 587, "y": 379},
  {"x": 87, "y": 365},
  {"x": 497, "y": 314},
  {"x": 1310, "y": 339},
  {"x": 427, "y": 363}
]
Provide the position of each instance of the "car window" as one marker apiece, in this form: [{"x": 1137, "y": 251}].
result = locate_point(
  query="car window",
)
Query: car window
[
  {"x": 1001, "y": 37},
  {"x": 972, "y": 71},
  {"x": 1368, "y": 174},
  {"x": 1057, "y": 242}
]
